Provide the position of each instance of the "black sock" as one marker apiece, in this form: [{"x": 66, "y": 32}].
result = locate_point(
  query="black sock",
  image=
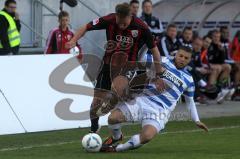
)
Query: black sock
[{"x": 94, "y": 124}]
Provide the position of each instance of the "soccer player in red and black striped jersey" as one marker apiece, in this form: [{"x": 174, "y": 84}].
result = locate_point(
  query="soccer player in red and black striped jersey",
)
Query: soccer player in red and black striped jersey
[{"x": 125, "y": 34}]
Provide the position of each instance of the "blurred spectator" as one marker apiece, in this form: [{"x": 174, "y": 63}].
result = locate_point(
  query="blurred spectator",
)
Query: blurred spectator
[
  {"x": 134, "y": 7},
  {"x": 236, "y": 48},
  {"x": 200, "y": 68},
  {"x": 9, "y": 29},
  {"x": 235, "y": 51},
  {"x": 201, "y": 71},
  {"x": 210, "y": 33},
  {"x": 153, "y": 22},
  {"x": 59, "y": 36},
  {"x": 214, "y": 72},
  {"x": 187, "y": 37},
  {"x": 226, "y": 44},
  {"x": 169, "y": 44},
  {"x": 198, "y": 75},
  {"x": 225, "y": 41},
  {"x": 216, "y": 56}
]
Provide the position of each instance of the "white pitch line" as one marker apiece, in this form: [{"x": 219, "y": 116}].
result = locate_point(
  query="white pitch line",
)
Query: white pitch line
[
  {"x": 71, "y": 142},
  {"x": 37, "y": 146},
  {"x": 200, "y": 130}
]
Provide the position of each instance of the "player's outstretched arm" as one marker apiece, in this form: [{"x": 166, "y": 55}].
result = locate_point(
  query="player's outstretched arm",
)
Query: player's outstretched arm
[
  {"x": 80, "y": 33},
  {"x": 157, "y": 59},
  {"x": 194, "y": 114},
  {"x": 159, "y": 83}
]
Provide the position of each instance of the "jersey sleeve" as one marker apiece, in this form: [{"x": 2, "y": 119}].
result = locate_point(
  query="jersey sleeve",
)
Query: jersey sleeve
[
  {"x": 191, "y": 106},
  {"x": 189, "y": 92},
  {"x": 99, "y": 23},
  {"x": 148, "y": 39}
]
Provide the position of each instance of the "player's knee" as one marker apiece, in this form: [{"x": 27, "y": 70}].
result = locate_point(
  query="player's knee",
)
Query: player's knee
[
  {"x": 115, "y": 117},
  {"x": 111, "y": 119},
  {"x": 120, "y": 85}
]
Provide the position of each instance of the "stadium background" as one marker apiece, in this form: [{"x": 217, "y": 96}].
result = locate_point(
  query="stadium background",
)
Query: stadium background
[{"x": 182, "y": 139}]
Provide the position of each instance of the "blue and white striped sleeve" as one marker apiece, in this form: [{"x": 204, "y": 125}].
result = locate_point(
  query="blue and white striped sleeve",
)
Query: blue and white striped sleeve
[{"x": 189, "y": 92}]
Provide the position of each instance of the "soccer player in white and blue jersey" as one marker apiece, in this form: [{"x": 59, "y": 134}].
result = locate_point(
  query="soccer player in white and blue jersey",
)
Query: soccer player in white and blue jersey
[{"x": 153, "y": 107}]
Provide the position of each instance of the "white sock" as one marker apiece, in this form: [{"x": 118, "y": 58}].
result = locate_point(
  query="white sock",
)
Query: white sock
[
  {"x": 116, "y": 131},
  {"x": 202, "y": 83},
  {"x": 133, "y": 143}
]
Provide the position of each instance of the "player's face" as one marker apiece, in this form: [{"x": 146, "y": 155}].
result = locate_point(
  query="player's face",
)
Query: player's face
[
  {"x": 147, "y": 8},
  {"x": 123, "y": 23},
  {"x": 197, "y": 45},
  {"x": 64, "y": 22},
  {"x": 11, "y": 8},
  {"x": 187, "y": 35},
  {"x": 206, "y": 43},
  {"x": 134, "y": 8},
  {"x": 182, "y": 59},
  {"x": 172, "y": 32}
]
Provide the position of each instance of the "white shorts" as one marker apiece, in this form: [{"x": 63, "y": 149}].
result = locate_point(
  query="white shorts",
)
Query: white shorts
[{"x": 146, "y": 112}]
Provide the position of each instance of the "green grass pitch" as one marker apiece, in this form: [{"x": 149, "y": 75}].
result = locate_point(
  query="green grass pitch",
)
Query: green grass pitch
[{"x": 180, "y": 140}]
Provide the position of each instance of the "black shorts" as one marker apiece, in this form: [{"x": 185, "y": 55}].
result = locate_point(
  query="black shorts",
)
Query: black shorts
[{"x": 104, "y": 80}]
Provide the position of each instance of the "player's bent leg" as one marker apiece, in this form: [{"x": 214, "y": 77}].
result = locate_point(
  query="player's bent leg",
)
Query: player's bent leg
[
  {"x": 114, "y": 120},
  {"x": 147, "y": 134},
  {"x": 152, "y": 123},
  {"x": 104, "y": 101},
  {"x": 124, "y": 112},
  {"x": 96, "y": 104},
  {"x": 93, "y": 115}
]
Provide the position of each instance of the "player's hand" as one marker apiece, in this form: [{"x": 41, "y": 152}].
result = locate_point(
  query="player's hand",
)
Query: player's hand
[
  {"x": 70, "y": 44},
  {"x": 161, "y": 86},
  {"x": 202, "y": 126}
]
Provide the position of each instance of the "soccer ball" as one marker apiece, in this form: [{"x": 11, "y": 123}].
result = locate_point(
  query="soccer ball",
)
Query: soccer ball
[
  {"x": 92, "y": 142},
  {"x": 74, "y": 51}
]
